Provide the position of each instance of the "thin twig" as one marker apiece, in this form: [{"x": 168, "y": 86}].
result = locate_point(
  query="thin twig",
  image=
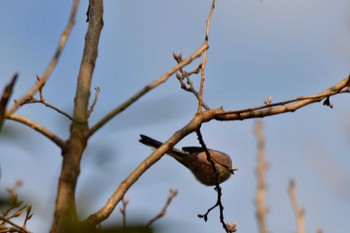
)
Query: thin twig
[
  {"x": 268, "y": 105},
  {"x": 284, "y": 106},
  {"x": 125, "y": 202},
  {"x": 18, "y": 228},
  {"x": 261, "y": 209},
  {"x": 201, "y": 87},
  {"x": 217, "y": 187},
  {"x": 14, "y": 210},
  {"x": 228, "y": 227},
  {"x": 209, "y": 158},
  {"x": 184, "y": 75},
  {"x": 299, "y": 212},
  {"x": 43, "y": 101},
  {"x": 53, "y": 62},
  {"x": 97, "y": 91},
  {"x": 171, "y": 196},
  {"x": 146, "y": 89},
  {"x": 39, "y": 128}
]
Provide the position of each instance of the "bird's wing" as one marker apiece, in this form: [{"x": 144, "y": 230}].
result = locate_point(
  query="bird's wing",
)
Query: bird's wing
[{"x": 192, "y": 149}]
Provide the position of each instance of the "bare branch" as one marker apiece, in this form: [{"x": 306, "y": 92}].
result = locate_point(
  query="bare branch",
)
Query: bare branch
[
  {"x": 171, "y": 196},
  {"x": 209, "y": 158},
  {"x": 16, "y": 227},
  {"x": 146, "y": 89},
  {"x": 192, "y": 126},
  {"x": 184, "y": 75},
  {"x": 14, "y": 211},
  {"x": 97, "y": 91},
  {"x": 229, "y": 227},
  {"x": 261, "y": 209},
  {"x": 201, "y": 87},
  {"x": 118, "y": 194},
  {"x": 44, "y": 102},
  {"x": 125, "y": 202},
  {"x": 218, "y": 189},
  {"x": 299, "y": 212},
  {"x": 52, "y": 64},
  {"x": 39, "y": 128},
  {"x": 65, "y": 217},
  {"x": 285, "y": 106}
]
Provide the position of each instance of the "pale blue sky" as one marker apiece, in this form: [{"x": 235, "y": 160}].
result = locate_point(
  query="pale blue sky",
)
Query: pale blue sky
[{"x": 258, "y": 49}]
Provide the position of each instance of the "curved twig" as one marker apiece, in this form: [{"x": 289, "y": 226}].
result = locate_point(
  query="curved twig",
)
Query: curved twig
[
  {"x": 44, "y": 102},
  {"x": 39, "y": 128}
]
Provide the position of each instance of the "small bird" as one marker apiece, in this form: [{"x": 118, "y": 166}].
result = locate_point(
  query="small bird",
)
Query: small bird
[{"x": 195, "y": 159}]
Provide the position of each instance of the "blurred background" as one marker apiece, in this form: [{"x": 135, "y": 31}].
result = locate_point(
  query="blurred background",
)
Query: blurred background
[{"x": 258, "y": 49}]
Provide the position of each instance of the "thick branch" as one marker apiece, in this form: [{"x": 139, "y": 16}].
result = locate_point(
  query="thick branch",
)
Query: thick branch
[{"x": 65, "y": 219}]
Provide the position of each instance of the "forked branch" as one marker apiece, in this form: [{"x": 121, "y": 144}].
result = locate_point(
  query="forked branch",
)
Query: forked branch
[
  {"x": 53, "y": 62},
  {"x": 146, "y": 89}
]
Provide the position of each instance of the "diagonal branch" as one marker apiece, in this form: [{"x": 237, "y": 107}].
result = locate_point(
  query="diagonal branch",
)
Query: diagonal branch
[
  {"x": 124, "y": 186},
  {"x": 285, "y": 106},
  {"x": 162, "y": 212},
  {"x": 146, "y": 89},
  {"x": 192, "y": 126},
  {"x": 52, "y": 64},
  {"x": 43, "y": 101},
  {"x": 39, "y": 128}
]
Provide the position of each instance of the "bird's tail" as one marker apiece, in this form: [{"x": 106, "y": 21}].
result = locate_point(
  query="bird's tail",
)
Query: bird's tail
[{"x": 148, "y": 141}]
